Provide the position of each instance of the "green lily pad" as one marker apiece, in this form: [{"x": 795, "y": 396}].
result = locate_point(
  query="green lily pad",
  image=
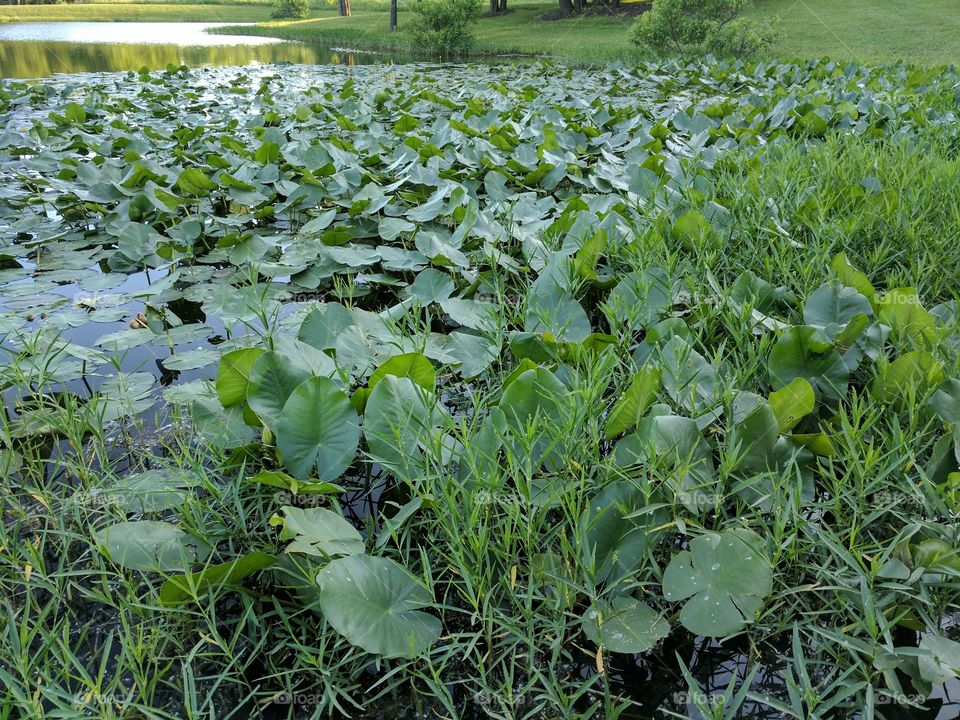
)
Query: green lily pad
[
  {"x": 624, "y": 625},
  {"x": 726, "y": 577},
  {"x": 147, "y": 545},
  {"x": 318, "y": 531},
  {"x": 378, "y": 606}
]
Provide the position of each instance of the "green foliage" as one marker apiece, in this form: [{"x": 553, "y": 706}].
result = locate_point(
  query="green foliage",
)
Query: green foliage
[
  {"x": 466, "y": 376},
  {"x": 701, "y": 26},
  {"x": 290, "y": 9},
  {"x": 444, "y": 27}
]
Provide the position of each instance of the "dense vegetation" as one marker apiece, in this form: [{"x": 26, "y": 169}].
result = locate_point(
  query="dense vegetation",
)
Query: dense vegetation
[{"x": 481, "y": 390}]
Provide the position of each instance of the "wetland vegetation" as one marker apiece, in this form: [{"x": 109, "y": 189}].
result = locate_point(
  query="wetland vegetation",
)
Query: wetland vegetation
[{"x": 469, "y": 391}]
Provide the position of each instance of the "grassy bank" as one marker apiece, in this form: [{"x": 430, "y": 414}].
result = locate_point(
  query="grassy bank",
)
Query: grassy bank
[
  {"x": 521, "y": 31},
  {"x": 862, "y": 30},
  {"x": 922, "y": 31}
]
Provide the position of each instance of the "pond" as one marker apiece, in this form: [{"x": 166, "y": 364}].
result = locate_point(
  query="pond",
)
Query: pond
[
  {"x": 42, "y": 49},
  {"x": 161, "y": 230}
]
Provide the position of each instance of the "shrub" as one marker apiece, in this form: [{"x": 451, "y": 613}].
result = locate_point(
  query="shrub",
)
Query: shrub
[
  {"x": 290, "y": 8},
  {"x": 700, "y": 26},
  {"x": 443, "y": 26}
]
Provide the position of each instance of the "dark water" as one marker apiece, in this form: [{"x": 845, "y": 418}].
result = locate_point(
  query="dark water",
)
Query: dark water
[{"x": 42, "y": 49}]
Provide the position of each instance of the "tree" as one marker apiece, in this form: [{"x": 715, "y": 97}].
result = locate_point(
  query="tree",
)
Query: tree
[
  {"x": 442, "y": 27},
  {"x": 290, "y": 9},
  {"x": 699, "y": 26},
  {"x": 393, "y": 15},
  {"x": 344, "y": 8}
]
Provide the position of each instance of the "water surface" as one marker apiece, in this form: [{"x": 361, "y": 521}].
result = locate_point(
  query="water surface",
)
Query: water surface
[{"x": 42, "y": 49}]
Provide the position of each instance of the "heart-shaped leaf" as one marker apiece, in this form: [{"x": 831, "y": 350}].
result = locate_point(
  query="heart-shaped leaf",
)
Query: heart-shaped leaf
[
  {"x": 148, "y": 545},
  {"x": 318, "y": 531},
  {"x": 793, "y": 402},
  {"x": 725, "y": 575},
  {"x": 377, "y": 606},
  {"x": 234, "y": 375},
  {"x": 804, "y": 351},
  {"x": 318, "y": 429}
]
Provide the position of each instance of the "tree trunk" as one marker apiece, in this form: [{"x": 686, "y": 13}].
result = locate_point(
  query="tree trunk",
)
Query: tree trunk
[
  {"x": 345, "y": 8},
  {"x": 393, "y": 15},
  {"x": 493, "y": 7},
  {"x": 566, "y": 7},
  {"x": 578, "y": 5},
  {"x": 502, "y": 6}
]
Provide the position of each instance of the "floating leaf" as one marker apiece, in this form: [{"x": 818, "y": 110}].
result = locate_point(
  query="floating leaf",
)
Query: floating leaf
[
  {"x": 793, "y": 402},
  {"x": 911, "y": 374},
  {"x": 946, "y": 401},
  {"x": 148, "y": 545},
  {"x": 278, "y": 479},
  {"x": 149, "y": 491},
  {"x": 377, "y": 606},
  {"x": 805, "y": 352},
  {"x": 271, "y": 381},
  {"x": 726, "y": 577},
  {"x": 410, "y": 365},
  {"x": 615, "y": 532},
  {"x": 234, "y": 375},
  {"x": 908, "y": 320},
  {"x": 624, "y": 625},
  {"x": 195, "y": 183}
]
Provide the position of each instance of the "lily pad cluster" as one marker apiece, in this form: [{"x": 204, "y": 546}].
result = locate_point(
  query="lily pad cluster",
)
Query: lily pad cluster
[{"x": 484, "y": 298}]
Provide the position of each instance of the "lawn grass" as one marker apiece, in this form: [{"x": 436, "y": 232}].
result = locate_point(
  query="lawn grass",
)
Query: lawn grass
[
  {"x": 584, "y": 40},
  {"x": 921, "y": 31},
  {"x": 861, "y": 30}
]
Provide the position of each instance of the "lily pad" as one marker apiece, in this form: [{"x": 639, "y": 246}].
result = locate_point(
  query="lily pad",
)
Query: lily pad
[
  {"x": 726, "y": 578},
  {"x": 378, "y": 606}
]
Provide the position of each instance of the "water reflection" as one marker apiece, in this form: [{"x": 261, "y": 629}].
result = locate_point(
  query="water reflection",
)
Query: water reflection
[
  {"x": 34, "y": 50},
  {"x": 139, "y": 33}
]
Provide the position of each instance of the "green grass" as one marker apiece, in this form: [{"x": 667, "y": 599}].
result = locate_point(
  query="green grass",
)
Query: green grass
[
  {"x": 920, "y": 31},
  {"x": 925, "y": 32},
  {"x": 584, "y": 40}
]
